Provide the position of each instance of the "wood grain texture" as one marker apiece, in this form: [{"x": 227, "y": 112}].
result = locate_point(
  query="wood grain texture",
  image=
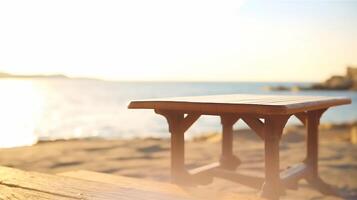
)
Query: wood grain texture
[
  {"x": 81, "y": 185},
  {"x": 127, "y": 182},
  {"x": 240, "y": 103},
  {"x": 18, "y": 184},
  {"x": 192, "y": 192},
  {"x": 16, "y": 193},
  {"x": 273, "y": 109}
]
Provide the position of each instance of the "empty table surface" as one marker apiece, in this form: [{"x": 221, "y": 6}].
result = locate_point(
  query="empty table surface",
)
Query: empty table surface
[{"x": 241, "y": 103}]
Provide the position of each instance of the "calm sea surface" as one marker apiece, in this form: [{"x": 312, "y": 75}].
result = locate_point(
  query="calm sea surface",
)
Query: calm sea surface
[{"x": 48, "y": 109}]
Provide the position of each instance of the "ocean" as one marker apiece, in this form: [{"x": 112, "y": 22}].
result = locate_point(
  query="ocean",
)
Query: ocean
[{"x": 49, "y": 109}]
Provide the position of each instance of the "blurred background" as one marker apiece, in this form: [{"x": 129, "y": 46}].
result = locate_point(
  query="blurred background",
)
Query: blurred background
[{"x": 71, "y": 67}]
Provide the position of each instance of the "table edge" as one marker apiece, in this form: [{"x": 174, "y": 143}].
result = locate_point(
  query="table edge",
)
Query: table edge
[{"x": 204, "y": 107}]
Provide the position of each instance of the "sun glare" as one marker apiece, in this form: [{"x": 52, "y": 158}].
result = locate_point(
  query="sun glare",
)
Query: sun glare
[{"x": 21, "y": 105}]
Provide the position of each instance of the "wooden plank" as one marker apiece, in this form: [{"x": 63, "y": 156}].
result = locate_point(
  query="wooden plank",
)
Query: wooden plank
[
  {"x": 255, "y": 104},
  {"x": 127, "y": 182},
  {"x": 188, "y": 121},
  {"x": 204, "y": 169},
  {"x": 13, "y": 193},
  {"x": 248, "y": 180},
  {"x": 247, "y": 99},
  {"x": 302, "y": 117},
  {"x": 194, "y": 192},
  {"x": 292, "y": 175},
  {"x": 61, "y": 186},
  {"x": 255, "y": 124}
]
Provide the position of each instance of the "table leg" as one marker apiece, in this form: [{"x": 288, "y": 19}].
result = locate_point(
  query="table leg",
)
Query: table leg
[
  {"x": 312, "y": 143},
  {"x": 178, "y": 125},
  {"x": 272, "y": 187},
  {"x": 228, "y": 160},
  {"x": 178, "y": 170},
  {"x": 312, "y": 123}
]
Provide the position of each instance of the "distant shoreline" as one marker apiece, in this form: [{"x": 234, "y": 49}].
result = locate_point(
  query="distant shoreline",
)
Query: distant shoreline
[
  {"x": 335, "y": 82},
  {"x": 8, "y": 75},
  {"x": 42, "y": 76}
]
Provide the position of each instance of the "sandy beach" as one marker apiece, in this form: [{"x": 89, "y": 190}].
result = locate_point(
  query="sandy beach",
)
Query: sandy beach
[{"x": 149, "y": 158}]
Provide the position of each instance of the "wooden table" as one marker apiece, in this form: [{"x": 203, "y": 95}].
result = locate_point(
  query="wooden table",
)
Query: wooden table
[{"x": 266, "y": 116}]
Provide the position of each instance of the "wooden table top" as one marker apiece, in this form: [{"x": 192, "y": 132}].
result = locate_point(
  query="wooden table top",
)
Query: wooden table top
[{"x": 241, "y": 103}]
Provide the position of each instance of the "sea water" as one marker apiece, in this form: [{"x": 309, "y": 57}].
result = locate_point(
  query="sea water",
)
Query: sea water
[{"x": 50, "y": 109}]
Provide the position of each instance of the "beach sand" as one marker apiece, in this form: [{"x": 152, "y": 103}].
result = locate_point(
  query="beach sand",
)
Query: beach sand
[{"x": 149, "y": 158}]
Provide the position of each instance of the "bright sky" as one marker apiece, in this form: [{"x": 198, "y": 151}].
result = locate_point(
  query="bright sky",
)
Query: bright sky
[{"x": 186, "y": 40}]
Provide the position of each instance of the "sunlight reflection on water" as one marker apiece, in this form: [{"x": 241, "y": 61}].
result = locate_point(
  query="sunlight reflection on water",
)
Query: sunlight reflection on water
[
  {"x": 49, "y": 109},
  {"x": 21, "y": 105}
]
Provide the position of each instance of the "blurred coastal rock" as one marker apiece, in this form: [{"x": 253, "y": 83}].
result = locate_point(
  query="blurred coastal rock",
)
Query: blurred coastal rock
[
  {"x": 283, "y": 88},
  {"x": 346, "y": 82}
]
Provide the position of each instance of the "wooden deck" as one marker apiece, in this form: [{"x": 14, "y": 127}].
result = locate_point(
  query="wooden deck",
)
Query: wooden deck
[{"x": 82, "y": 185}]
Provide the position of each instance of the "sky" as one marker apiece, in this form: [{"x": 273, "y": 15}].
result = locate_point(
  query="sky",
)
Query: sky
[{"x": 186, "y": 40}]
